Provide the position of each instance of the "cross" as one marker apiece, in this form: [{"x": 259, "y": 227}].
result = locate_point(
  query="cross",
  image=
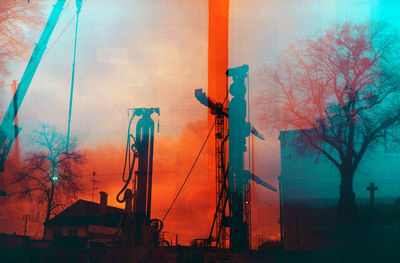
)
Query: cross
[{"x": 372, "y": 188}]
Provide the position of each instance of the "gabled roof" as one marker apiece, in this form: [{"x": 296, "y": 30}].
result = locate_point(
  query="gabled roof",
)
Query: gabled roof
[{"x": 82, "y": 213}]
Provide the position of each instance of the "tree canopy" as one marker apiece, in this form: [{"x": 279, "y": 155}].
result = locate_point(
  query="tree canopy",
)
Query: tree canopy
[
  {"x": 341, "y": 91},
  {"x": 16, "y": 18}
]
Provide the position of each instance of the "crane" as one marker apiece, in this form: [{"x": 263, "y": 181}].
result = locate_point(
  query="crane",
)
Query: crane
[{"x": 8, "y": 130}]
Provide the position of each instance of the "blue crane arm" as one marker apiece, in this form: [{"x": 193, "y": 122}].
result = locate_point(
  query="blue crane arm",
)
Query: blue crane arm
[{"x": 8, "y": 131}]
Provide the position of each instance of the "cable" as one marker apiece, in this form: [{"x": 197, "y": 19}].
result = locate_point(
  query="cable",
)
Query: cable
[
  {"x": 59, "y": 36},
  {"x": 191, "y": 169},
  {"x": 248, "y": 116},
  {"x": 128, "y": 160},
  {"x": 65, "y": 28},
  {"x": 65, "y": 8}
]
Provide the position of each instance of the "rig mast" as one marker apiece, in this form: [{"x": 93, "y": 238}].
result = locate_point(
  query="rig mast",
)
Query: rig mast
[
  {"x": 137, "y": 228},
  {"x": 232, "y": 181}
]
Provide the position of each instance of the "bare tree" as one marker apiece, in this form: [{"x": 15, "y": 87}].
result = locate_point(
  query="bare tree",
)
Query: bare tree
[
  {"x": 17, "y": 18},
  {"x": 341, "y": 90},
  {"x": 51, "y": 173}
]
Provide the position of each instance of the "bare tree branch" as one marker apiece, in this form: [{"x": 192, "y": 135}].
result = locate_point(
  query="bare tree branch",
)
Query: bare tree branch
[{"x": 51, "y": 169}]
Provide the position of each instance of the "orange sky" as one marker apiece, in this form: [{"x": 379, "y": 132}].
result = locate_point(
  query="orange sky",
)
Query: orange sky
[{"x": 191, "y": 216}]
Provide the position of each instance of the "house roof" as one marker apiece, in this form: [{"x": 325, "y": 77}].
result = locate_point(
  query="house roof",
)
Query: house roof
[{"x": 82, "y": 213}]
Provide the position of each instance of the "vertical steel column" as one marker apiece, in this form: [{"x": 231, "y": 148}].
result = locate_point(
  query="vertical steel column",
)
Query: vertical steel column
[
  {"x": 144, "y": 145},
  {"x": 239, "y": 129}
]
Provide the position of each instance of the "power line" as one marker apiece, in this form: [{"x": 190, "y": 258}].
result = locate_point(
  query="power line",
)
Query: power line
[
  {"x": 197, "y": 158},
  {"x": 59, "y": 36},
  {"x": 93, "y": 185},
  {"x": 65, "y": 28},
  {"x": 62, "y": 32}
]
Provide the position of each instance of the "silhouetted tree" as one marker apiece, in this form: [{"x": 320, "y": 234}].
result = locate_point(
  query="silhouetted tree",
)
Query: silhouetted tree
[
  {"x": 17, "y": 18},
  {"x": 341, "y": 90},
  {"x": 51, "y": 173}
]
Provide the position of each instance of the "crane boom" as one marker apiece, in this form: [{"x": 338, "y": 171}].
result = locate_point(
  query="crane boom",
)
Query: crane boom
[
  {"x": 250, "y": 176},
  {"x": 217, "y": 108},
  {"x": 8, "y": 131}
]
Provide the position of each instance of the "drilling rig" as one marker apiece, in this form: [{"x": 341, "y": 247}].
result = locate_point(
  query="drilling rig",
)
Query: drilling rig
[
  {"x": 233, "y": 181},
  {"x": 136, "y": 227}
]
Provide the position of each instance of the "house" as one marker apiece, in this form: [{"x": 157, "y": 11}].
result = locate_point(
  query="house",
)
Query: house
[
  {"x": 14, "y": 240},
  {"x": 84, "y": 224},
  {"x": 309, "y": 194}
]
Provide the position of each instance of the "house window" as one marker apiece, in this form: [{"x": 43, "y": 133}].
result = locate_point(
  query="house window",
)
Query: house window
[
  {"x": 73, "y": 232},
  {"x": 57, "y": 233}
]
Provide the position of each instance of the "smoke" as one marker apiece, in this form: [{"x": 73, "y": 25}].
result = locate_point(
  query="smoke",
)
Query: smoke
[{"x": 192, "y": 214}]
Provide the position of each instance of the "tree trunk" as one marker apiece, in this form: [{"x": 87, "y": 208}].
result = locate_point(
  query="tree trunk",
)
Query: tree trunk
[
  {"x": 347, "y": 204},
  {"x": 48, "y": 210}
]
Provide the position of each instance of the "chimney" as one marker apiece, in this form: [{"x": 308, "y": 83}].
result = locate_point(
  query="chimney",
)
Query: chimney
[{"x": 103, "y": 203}]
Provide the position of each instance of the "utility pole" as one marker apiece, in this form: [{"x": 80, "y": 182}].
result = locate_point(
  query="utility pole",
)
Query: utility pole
[
  {"x": 26, "y": 217},
  {"x": 296, "y": 218},
  {"x": 93, "y": 184}
]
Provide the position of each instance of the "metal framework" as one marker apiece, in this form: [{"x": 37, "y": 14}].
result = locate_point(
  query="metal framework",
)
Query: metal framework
[
  {"x": 233, "y": 181},
  {"x": 220, "y": 137}
]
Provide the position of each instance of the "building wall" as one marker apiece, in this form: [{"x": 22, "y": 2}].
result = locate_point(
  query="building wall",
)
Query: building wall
[{"x": 64, "y": 231}]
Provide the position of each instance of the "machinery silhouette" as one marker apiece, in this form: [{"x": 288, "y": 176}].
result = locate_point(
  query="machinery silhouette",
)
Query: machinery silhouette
[
  {"x": 136, "y": 227},
  {"x": 233, "y": 210}
]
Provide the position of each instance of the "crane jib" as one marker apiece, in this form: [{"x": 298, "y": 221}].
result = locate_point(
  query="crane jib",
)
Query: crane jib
[{"x": 8, "y": 131}]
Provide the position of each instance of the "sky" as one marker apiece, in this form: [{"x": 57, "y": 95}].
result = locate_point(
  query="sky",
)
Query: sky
[{"x": 154, "y": 54}]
